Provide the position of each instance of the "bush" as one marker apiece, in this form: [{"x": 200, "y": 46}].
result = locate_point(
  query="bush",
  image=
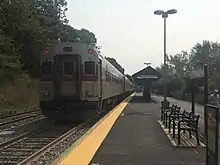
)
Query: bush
[{"x": 20, "y": 95}]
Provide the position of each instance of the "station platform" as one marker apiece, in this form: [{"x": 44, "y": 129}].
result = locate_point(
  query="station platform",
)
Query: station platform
[{"x": 131, "y": 135}]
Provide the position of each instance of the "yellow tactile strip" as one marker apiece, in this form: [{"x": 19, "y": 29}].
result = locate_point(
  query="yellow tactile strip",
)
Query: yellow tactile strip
[{"x": 82, "y": 152}]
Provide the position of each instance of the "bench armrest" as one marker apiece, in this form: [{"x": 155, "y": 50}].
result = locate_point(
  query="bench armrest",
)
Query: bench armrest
[
  {"x": 181, "y": 116},
  {"x": 169, "y": 110},
  {"x": 166, "y": 109},
  {"x": 183, "y": 120}
]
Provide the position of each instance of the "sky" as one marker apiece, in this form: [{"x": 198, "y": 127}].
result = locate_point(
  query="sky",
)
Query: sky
[{"x": 129, "y": 31}]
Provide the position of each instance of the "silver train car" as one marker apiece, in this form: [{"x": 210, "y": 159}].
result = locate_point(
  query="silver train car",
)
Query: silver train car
[{"x": 76, "y": 82}]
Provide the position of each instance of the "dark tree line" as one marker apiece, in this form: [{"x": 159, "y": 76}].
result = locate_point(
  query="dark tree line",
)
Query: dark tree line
[
  {"x": 26, "y": 27},
  {"x": 115, "y": 64},
  {"x": 119, "y": 67},
  {"x": 181, "y": 65}
]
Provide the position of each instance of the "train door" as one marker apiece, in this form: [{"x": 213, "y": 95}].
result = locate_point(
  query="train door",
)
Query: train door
[
  {"x": 100, "y": 75},
  {"x": 124, "y": 85},
  {"x": 67, "y": 77},
  {"x": 100, "y": 86}
]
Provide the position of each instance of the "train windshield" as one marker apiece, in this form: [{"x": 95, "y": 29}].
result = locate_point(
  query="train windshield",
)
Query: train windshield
[
  {"x": 89, "y": 67},
  {"x": 46, "y": 68},
  {"x": 68, "y": 68}
]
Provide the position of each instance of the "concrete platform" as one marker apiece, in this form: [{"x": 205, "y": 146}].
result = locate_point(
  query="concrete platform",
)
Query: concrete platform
[
  {"x": 131, "y": 135},
  {"x": 136, "y": 138}
]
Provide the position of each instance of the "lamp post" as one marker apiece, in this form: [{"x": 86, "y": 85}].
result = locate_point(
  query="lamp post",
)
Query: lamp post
[{"x": 165, "y": 14}]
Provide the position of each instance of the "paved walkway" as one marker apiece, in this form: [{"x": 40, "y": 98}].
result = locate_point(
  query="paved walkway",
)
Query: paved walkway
[
  {"x": 137, "y": 139},
  {"x": 199, "y": 109}
]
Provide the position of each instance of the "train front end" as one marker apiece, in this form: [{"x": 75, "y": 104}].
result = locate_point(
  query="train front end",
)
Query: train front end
[{"x": 60, "y": 82}]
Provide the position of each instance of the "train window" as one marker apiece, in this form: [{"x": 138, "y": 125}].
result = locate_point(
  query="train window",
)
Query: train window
[
  {"x": 111, "y": 77},
  {"x": 68, "y": 68},
  {"x": 89, "y": 67},
  {"x": 108, "y": 76},
  {"x": 46, "y": 68}
]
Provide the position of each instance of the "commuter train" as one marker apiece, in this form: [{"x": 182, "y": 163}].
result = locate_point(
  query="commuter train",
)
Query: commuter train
[{"x": 77, "y": 82}]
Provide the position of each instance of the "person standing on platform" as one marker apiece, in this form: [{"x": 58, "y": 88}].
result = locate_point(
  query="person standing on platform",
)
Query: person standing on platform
[{"x": 214, "y": 98}]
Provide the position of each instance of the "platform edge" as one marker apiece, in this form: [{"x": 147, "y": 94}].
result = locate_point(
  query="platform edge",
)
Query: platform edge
[{"x": 81, "y": 139}]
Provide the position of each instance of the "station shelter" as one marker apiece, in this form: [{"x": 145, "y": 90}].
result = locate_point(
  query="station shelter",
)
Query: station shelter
[{"x": 145, "y": 78}]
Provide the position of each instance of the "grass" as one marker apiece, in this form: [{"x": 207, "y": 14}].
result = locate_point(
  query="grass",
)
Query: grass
[{"x": 18, "y": 96}]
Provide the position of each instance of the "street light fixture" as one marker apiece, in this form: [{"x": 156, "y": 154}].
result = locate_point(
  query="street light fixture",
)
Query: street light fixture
[
  {"x": 172, "y": 11},
  {"x": 158, "y": 12},
  {"x": 165, "y": 14}
]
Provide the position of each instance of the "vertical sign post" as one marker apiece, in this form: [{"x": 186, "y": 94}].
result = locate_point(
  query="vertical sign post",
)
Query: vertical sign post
[
  {"x": 212, "y": 130},
  {"x": 193, "y": 96},
  {"x": 205, "y": 91},
  {"x": 196, "y": 74}
]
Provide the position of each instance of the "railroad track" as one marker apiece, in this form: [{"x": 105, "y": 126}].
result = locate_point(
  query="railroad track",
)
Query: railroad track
[
  {"x": 22, "y": 113},
  {"x": 42, "y": 146},
  {"x": 13, "y": 123},
  {"x": 18, "y": 149},
  {"x": 18, "y": 117}
]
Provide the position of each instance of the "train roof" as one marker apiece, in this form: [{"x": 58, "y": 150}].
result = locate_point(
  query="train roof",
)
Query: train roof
[{"x": 112, "y": 68}]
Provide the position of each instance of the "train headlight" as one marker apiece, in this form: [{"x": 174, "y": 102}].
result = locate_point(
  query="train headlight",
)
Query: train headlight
[
  {"x": 89, "y": 94},
  {"x": 46, "y": 93}
]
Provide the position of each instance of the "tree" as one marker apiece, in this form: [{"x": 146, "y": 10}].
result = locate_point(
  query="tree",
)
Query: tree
[
  {"x": 115, "y": 64},
  {"x": 180, "y": 66},
  {"x": 28, "y": 26},
  {"x": 87, "y": 37},
  {"x": 130, "y": 78},
  {"x": 208, "y": 53}
]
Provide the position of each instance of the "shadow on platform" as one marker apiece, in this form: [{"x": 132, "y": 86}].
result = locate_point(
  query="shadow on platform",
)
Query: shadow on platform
[
  {"x": 136, "y": 113},
  {"x": 141, "y": 99}
]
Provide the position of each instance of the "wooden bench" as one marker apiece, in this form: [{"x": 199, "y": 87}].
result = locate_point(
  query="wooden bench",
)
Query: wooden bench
[
  {"x": 174, "y": 111},
  {"x": 189, "y": 124},
  {"x": 175, "y": 118},
  {"x": 164, "y": 109}
]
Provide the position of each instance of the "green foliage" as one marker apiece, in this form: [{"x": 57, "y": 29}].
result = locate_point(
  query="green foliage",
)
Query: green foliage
[
  {"x": 180, "y": 66},
  {"x": 130, "y": 78},
  {"x": 27, "y": 26},
  {"x": 115, "y": 64},
  {"x": 9, "y": 63},
  {"x": 10, "y": 67}
]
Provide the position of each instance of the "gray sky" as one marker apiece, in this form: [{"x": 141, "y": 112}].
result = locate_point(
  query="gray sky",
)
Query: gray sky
[{"x": 128, "y": 30}]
